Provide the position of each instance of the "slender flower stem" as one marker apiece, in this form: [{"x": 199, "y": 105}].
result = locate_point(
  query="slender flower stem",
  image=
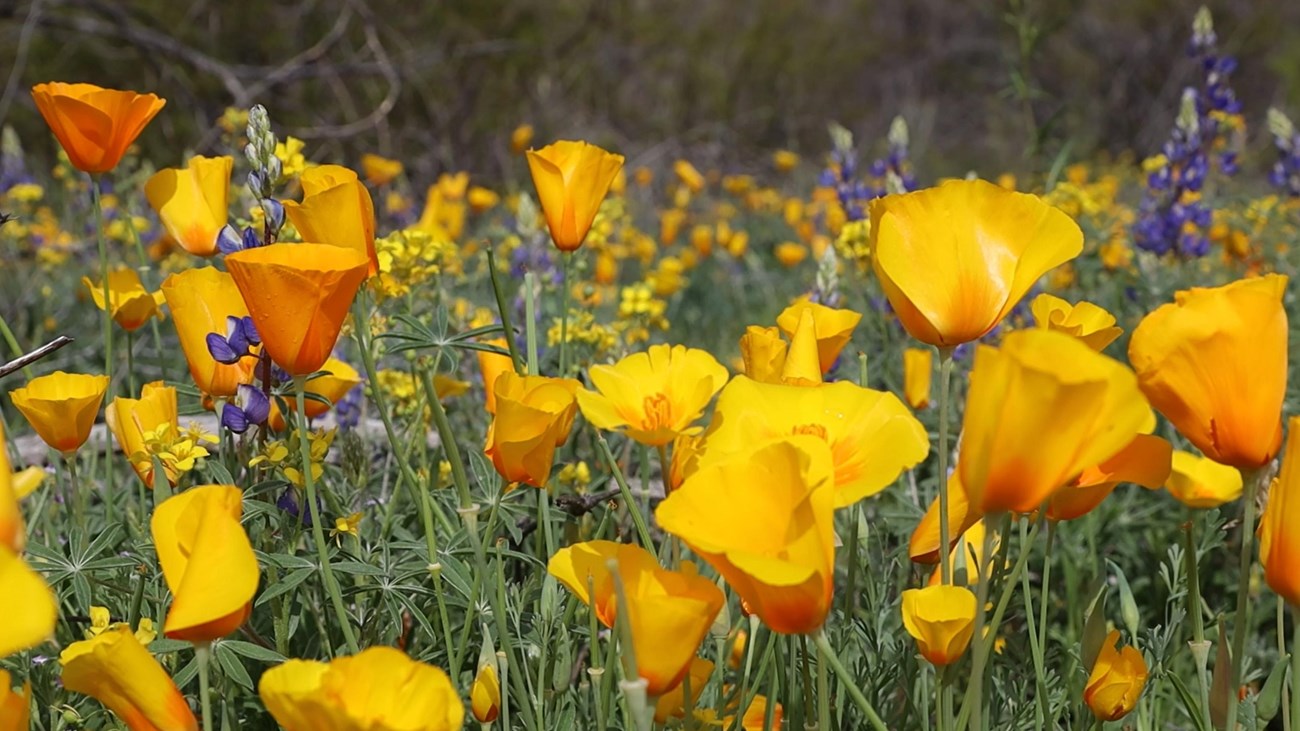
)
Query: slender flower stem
[
  {"x": 642, "y": 530},
  {"x": 318, "y": 531},
  {"x": 530, "y": 321},
  {"x": 1281, "y": 653},
  {"x": 449, "y": 445},
  {"x": 566, "y": 262},
  {"x": 1295, "y": 666},
  {"x": 849, "y": 682},
  {"x": 945, "y": 530},
  {"x": 1200, "y": 648},
  {"x": 203, "y": 656},
  {"x": 504, "y": 313},
  {"x": 78, "y": 495},
  {"x": 108, "y": 318},
  {"x": 976, "y": 687},
  {"x": 1250, "y": 480},
  {"x": 14, "y": 347},
  {"x": 129, "y": 220},
  {"x": 823, "y": 694}
]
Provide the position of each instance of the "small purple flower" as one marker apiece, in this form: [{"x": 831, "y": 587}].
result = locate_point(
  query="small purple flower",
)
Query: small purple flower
[{"x": 241, "y": 336}]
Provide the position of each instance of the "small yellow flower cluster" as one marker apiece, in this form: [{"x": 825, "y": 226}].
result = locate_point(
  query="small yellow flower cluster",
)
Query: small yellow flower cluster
[
  {"x": 407, "y": 259},
  {"x": 292, "y": 161},
  {"x": 101, "y": 621},
  {"x": 402, "y": 391},
  {"x": 351, "y": 526},
  {"x": 585, "y": 330},
  {"x": 575, "y": 474},
  {"x": 25, "y": 193},
  {"x": 179, "y": 452},
  {"x": 854, "y": 244},
  {"x": 277, "y": 454}
]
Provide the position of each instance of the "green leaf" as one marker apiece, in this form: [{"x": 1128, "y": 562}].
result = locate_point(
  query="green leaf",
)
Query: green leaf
[
  {"x": 285, "y": 585},
  {"x": 231, "y": 666},
  {"x": 356, "y": 567},
  {"x": 254, "y": 652}
]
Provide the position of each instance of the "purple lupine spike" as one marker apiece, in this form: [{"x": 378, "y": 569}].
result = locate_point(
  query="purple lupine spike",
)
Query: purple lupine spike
[
  {"x": 234, "y": 418},
  {"x": 220, "y": 350},
  {"x": 228, "y": 240},
  {"x": 254, "y": 403}
]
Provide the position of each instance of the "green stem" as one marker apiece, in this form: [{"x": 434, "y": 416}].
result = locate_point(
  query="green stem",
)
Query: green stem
[
  {"x": 78, "y": 495},
  {"x": 130, "y": 361},
  {"x": 642, "y": 530},
  {"x": 530, "y": 321},
  {"x": 945, "y": 530},
  {"x": 202, "y": 655},
  {"x": 823, "y": 695},
  {"x": 1200, "y": 648},
  {"x": 852, "y": 598},
  {"x": 107, "y": 319},
  {"x": 1282, "y": 654},
  {"x": 448, "y": 438},
  {"x": 504, "y": 312},
  {"x": 1250, "y": 479},
  {"x": 317, "y": 530},
  {"x": 976, "y": 688},
  {"x": 12, "y": 342},
  {"x": 144, "y": 267},
  {"x": 849, "y": 682},
  {"x": 1295, "y": 667},
  {"x": 566, "y": 260}
]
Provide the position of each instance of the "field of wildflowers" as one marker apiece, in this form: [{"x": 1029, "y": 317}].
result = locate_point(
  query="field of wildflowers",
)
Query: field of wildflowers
[{"x": 846, "y": 445}]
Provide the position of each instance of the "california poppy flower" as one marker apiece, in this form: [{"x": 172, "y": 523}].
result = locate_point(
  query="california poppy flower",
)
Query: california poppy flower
[
  {"x": 688, "y": 175},
  {"x": 669, "y": 612},
  {"x": 298, "y": 296},
  {"x": 962, "y": 517},
  {"x": 1084, "y": 320},
  {"x": 833, "y": 328},
  {"x": 492, "y": 365},
  {"x": 520, "y": 138},
  {"x": 1214, "y": 362},
  {"x": 918, "y": 370},
  {"x": 61, "y": 407},
  {"x": 337, "y": 380},
  {"x": 1144, "y": 461},
  {"x": 953, "y": 260},
  {"x": 534, "y": 415},
  {"x": 192, "y": 201},
  {"x": 1200, "y": 482},
  {"x": 774, "y": 546},
  {"x": 485, "y": 694},
  {"x": 94, "y": 125},
  {"x": 15, "y": 705},
  {"x": 1279, "y": 528},
  {"x": 872, "y": 436},
  {"x": 380, "y": 170},
  {"x": 655, "y": 395},
  {"x": 131, "y": 420},
  {"x": 116, "y": 670},
  {"x": 207, "y": 561},
  {"x": 764, "y": 352},
  {"x": 378, "y": 689},
  {"x": 336, "y": 209},
  {"x": 1116, "y": 681},
  {"x": 31, "y": 607},
  {"x": 1041, "y": 409},
  {"x": 201, "y": 300},
  {"x": 12, "y": 533},
  {"x": 673, "y": 703},
  {"x": 130, "y": 304},
  {"x": 572, "y": 179},
  {"x": 942, "y": 621}
]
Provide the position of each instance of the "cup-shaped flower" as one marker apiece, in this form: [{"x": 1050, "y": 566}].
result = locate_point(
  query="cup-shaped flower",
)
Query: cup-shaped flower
[
  {"x": 131, "y": 420},
  {"x": 192, "y": 202},
  {"x": 1200, "y": 482},
  {"x": 534, "y": 415},
  {"x": 31, "y": 609},
  {"x": 1144, "y": 461},
  {"x": 298, "y": 296},
  {"x": 765, "y": 521},
  {"x": 655, "y": 395},
  {"x": 673, "y": 703},
  {"x": 61, "y": 407},
  {"x": 200, "y": 301},
  {"x": 872, "y": 436},
  {"x": 941, "y": 619},
  {"x": 1279, "y": 528},
  {"x": 130, "y": 304},
  {"x": 918, "y": 370},
  {"x": 1116, "y": 681},
  {"x": 688, "y": 175},
  {"x": 379, "y": 689},
  {"x": 337, "y": 380},
  {"x": 953, "y": 260},
  {"x": 95, "y": 126},
  {"x": 485, "y": 694},
  {"x": 492, "y": 365},
  {"x": 15, "y": 705},
  {"x": 207, "y": 561},
  {"x": 380, "y": 170},
  {"x": 13, "y": 535},
  {"x": 336, "y": 209},
  {"x": 572, "y": 179},
  {"x": 1040, "y": 410},
  {"x": 764, "y": 352},
  {"x": 833, "y": 328},
  {"x": 669, "y": 612},
  {"x": 1085, "y": 321},
  {"x": 116, "y": 670},
  {"x": 1214, "y": 362},
  {"x": 962, "y": 517}
]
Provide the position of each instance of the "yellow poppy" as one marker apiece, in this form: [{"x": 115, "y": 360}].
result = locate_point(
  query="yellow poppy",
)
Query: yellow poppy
[
  {"x": 379, "y": 689},
  {"x": 572, "y": 179},
  {"x": 1116, "y": 681},
  {"x": 941, "y": 619},
  {"x": 669, "y": 612},
  {"x": 485, "y": 694},
  {"x": 784, "y": 160},
  {"x": 131, "y": 304},
  {"x": 298, "y": 296},
  {"x": 131, "y": 419},
  {"x": 764, "y": 353},
  {"x": 1085, "y": 321},
  {"x": 31, "y": 607},
  {"x": 775, "y": 546},
  {"x": 521, "y": 138},
  {"x": 1214, "y": 362},
  {"x": 790, "y": 253},
  {"x": 1040, "y": 410},
  {"x": 336, "y": 209},
  {"x": 192, "y": 201},
  {"x": 962, "y": 517},
  {"x": 1279, "y": 527},
  {"x": 338, "y": 379},
  {"x": 953, "y": 260},
  {"x": 872, "y": 436},
  {"x": 534, "y": 415},
  {"x": 481, "y": 199},
  {"x": 833, "y": 328},
  {"x": 492, "y": 365},
  {"x": 688, "y": 175},
  {"x": 918, "y": 369},
  {"x": 673, "y": 703},
  {"x": 655, "y": 395},
  {"x": 116, "y": 670},
  {"x": 200, "y": 300},
  {"x": 12, "y": 533},
  {"x": 380, "y": 170},
  {"x": 1145, "y": 461},
  {"x": 61, "y": 407},
  {"x": 15, "y": 706},
  {"x": 95, "y": 126},
  {"x": 670, "y": 225},
  {"x": 207, "y": 561},
  {"x": 1200, "y": 482}
]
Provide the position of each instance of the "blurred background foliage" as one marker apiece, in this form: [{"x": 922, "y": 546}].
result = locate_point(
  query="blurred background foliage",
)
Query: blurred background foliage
[{"x": 999, "y": 85}]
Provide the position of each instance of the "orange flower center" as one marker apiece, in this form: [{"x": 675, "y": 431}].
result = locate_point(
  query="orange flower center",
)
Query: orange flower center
[
  {"x": 813, "y": 429},
  {"x": 658, "y": 412}
]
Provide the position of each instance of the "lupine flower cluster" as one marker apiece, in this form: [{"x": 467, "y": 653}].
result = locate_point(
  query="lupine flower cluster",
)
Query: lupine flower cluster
[{"x": 1285, "y": 173}]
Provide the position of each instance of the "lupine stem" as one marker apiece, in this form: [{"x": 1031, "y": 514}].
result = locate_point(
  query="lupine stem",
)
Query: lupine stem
[
  {"x": 317, "y": 530},
  {"x": 945, "y": 531},
  {"x": 1250, "y": 480}
]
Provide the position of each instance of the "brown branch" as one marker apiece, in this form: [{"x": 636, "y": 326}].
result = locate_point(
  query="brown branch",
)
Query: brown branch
[{"x": 23, "y": 361}]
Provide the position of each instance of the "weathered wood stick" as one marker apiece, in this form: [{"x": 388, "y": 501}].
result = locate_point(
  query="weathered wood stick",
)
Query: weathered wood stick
[{"x": 23, "y": 361}]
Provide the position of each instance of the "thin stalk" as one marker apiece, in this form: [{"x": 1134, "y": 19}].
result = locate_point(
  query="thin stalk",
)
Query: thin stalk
[
  {"x": 107, "y": 319},
  {"x": 317, "y": 531},
  {"x": 823, "y": 696},
  {"x": 1250, "y": 479},
  {"x": 750, "y": 641},
  {"x": 642, "y": 530},
  {"x": 504, "y": 313},
  {"x": 16, "y": 349},
  {"x": 976, "y": 688},
  {"x": 566, "y": 261},
  {"x": 202, "y": 655},
  {"x": 130, "y": 361},
  {"x": 1281, "y": 652},
  {"x": 1200, "y": 648},
  {"x": 1295, "y": 667},
  {"x": 805, "y": 675},
  {"x": 530, "y": 324},
  {"x": 78, "y": 495},
  {"x": 945, "y": 532},
  {"x": 848, "y": 680},
  {"x": 144, "y": 267},
  {"x": 448, "y": 438},
  {"x": 854, "y": 520}
]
